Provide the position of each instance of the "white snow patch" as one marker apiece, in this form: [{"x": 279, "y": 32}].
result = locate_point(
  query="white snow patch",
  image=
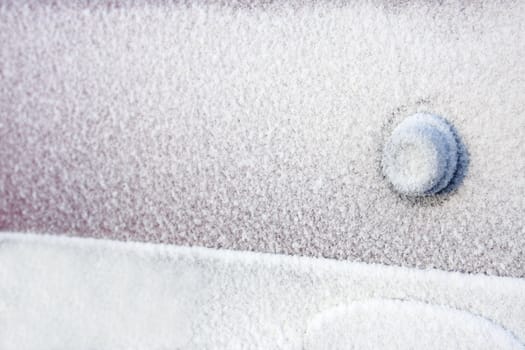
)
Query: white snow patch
[
  {"x": 74, "y": 293},
  {"x": 394, "y": 324}
]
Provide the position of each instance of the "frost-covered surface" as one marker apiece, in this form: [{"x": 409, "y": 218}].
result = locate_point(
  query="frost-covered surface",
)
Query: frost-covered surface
[
  {"x": 261, "y": 128},
  {"x": 77, "y": 293}
]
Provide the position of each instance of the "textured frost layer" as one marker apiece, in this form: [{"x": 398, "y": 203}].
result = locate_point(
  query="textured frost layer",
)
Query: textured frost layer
[{"x": 259, "y": 128}]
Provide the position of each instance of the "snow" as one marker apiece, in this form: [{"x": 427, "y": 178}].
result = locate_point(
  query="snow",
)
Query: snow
[
  {"x": 260, "y": 127},
  {"x": 394, "y": 324},
  {"x": 78, "y": 293}
]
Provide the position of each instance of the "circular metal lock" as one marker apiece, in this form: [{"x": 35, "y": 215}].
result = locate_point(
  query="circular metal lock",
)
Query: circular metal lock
[{"x": 421, "y": 156}]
